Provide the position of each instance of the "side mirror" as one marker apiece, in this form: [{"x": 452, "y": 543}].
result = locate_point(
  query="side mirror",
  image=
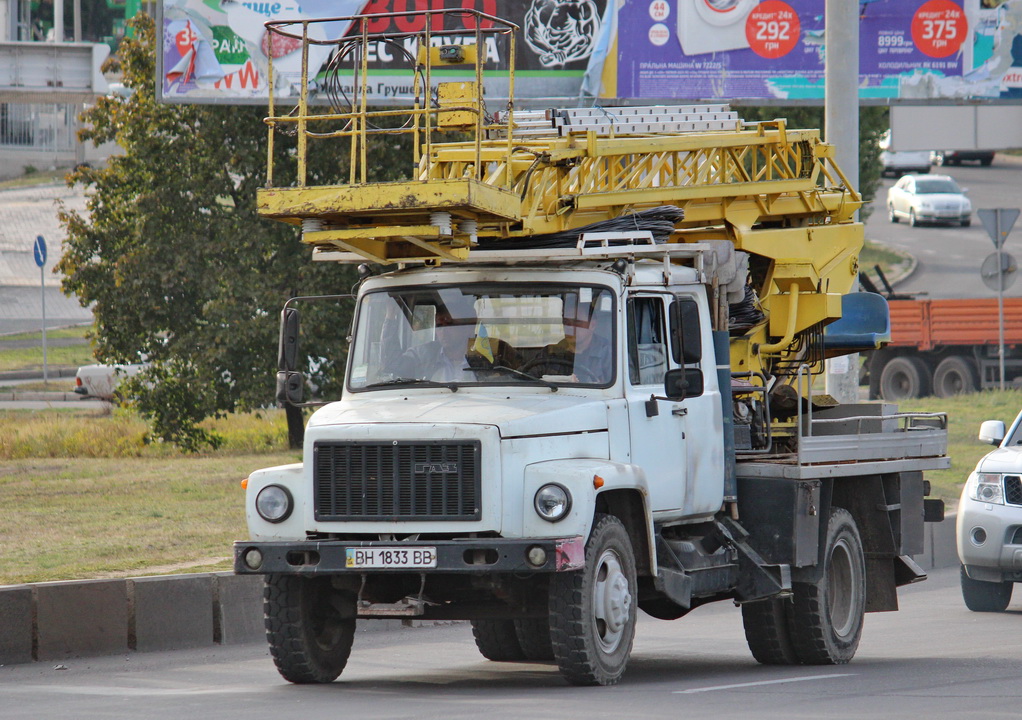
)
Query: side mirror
[
  {"x": 686, "y": 340},
  {"x": 289, "y": 387},
  {"x": 287, "y": 350},
  {"x": 991, "y": 432},
  {"x": 683, "y": 383}
]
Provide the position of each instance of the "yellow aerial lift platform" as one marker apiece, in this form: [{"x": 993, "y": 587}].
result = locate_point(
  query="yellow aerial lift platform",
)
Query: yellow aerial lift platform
[{"x": 773, "y": 192}]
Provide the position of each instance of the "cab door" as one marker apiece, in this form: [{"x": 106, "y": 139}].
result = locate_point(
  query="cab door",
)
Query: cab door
[{"x": 657, "y": 428}]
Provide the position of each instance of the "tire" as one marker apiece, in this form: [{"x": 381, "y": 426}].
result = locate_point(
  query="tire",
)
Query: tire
[
  {"x": 891, "y": 215},
  {"x": 954, "y": 376},
  {"x": 966, "y": 222},
  {"x": 983, "y": 596},
  {"x": 986, "y": 162},
  {"x": 497, "y": 640},
  {"x": 903, "y": 378},
  {"x": 827, "y": 615},
  {"x": 912, "y": 218},
  {"x": 767, "y": 631},
  {"x": 310, "y": 627},
  {"x": 534, "y": 639},
  {"x": 938, "y": 159},
  {"x": 593, "y": 610}
]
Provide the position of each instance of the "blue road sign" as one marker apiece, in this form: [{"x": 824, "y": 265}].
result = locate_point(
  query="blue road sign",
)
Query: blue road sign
[{"x": 39, "y": 251}]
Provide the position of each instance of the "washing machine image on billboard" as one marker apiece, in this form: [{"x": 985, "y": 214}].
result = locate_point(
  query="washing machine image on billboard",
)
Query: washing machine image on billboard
[{"x": 706, "y": 26}]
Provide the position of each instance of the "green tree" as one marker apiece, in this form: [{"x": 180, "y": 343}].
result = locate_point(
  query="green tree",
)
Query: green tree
[
  {"x": 873, "y": 121},
  {"x": 178, "y": 266}
]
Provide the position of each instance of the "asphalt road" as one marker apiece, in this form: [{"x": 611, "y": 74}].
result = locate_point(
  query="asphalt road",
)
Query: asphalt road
[
  {"x": 933, "y": 659},
  {"x": 949, "y": 257}
]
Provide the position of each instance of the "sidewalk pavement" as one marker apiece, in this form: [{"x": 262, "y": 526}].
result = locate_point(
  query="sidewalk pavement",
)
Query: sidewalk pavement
[{"x": 26, "y": 213}]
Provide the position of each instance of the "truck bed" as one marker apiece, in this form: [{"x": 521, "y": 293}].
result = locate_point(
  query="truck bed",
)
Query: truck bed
[
  {"x": 861, "y": 439},
  {"x": 929, "y": 324}
]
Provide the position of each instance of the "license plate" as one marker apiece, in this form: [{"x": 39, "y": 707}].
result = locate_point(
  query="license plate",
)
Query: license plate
[{"x": 391, "y": 557}]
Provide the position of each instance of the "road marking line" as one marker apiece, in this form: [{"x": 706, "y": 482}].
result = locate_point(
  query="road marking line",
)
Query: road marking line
[{"x": 763, "y": 682}]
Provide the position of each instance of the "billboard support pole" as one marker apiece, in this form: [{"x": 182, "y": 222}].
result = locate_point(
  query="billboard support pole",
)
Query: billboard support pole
[{"x": 841, "y": 124}]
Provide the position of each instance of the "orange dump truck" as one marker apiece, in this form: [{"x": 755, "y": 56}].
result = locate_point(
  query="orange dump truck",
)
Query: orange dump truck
[{"x": 946, "y": 347}]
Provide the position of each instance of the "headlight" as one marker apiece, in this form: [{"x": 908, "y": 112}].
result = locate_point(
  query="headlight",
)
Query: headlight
[
  {"x": 552, "y": 502},
  {"x": 987, "y": 488},
  {"x": 274, "y": 503}
]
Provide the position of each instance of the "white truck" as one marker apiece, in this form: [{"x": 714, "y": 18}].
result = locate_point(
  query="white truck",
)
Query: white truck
[
  {"x": 583, "y": 385},
  {"x": 547, "y": 503}
]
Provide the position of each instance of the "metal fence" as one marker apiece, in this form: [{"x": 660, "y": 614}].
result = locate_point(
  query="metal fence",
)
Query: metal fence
[{"x": 39, "y": 126}]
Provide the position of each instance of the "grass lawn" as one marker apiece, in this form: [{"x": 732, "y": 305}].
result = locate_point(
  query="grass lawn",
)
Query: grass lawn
[
  {"x": 83, "y": 495},
  {"x": 57, "y": 356}
]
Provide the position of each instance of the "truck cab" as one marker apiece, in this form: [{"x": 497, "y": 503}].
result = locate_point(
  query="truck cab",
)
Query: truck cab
[{"x": 524, "y": 400}]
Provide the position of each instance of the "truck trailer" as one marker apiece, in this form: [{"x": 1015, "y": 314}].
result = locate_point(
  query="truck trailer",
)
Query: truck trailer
[{"x": 946, "y": 347}]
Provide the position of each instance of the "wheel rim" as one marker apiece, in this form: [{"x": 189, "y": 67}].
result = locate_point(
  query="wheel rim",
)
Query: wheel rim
[
  {"x": 952, "y": 383},
  {"x": 326, "y": 624},
  {"x": 612, "y": 601},
  {"x": 842, "y": 580}
]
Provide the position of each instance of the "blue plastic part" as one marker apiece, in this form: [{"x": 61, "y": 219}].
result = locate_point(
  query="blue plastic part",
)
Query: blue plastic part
[{"x": 865, "y": 324}]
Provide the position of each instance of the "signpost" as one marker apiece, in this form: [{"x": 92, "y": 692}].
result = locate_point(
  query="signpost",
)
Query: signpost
[
  {"x": 39, "y": 253},
  {"x": 998, "y": 269}
]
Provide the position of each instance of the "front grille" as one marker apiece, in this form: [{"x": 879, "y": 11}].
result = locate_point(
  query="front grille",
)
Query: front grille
[
  {"x": 397, "y": 480},
  {"x": 1013, "y": 489}
]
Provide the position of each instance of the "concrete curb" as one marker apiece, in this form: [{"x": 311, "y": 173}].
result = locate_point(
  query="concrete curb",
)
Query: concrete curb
[
  {"x": 62, "y": 620},
  {"x": 43, "y": 396},
  {"x": 58, "y": 621}
]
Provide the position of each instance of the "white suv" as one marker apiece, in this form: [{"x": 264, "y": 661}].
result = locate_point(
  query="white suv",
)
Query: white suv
[{"x": 990, "y": 521}]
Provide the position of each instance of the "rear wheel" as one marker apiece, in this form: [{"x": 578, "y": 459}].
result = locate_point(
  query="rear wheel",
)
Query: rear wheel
[
  {"x": 310, "y": 627},
  {"x": 534, "y": 638},
  {"x": 954, "y": 376},
  {"x": 983, "y": 596},
  {"x": 903, "y": 378},
  {"x": 827, "y": 614},
  {"x": 592, "y": 611},
  {"x": 497, "y": 640},
  {"x": 768, "y": 631}
]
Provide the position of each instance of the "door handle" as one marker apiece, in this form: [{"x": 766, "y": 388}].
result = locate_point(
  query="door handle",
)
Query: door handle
[{"x": 680, "y": 411}]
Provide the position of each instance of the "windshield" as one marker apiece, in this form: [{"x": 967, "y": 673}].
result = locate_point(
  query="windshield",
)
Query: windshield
[
  {"x": 932, "y": 187},
  {"x": 484, "y": 334}
]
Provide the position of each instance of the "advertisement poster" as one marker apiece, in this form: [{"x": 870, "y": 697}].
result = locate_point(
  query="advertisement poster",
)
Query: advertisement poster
[
  {"x": 216, "y": 51},
  {"x": 775, "y": 49}
]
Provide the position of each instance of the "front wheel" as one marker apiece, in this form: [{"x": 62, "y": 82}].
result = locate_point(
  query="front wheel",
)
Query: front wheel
[
  {"x": 592, "y": 611},
  {"x": 310, "y": 627},
  {"x": 912, "y": 220},
  {"x": 983, "y": 596},
  {"x": 827, "y": 614}
]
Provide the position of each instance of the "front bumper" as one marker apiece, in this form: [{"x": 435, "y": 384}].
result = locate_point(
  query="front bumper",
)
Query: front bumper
[
  {"x": 990, "y": 540},
  {"x": 469, "y": 555},
  {"x": 942, "y": 216}
]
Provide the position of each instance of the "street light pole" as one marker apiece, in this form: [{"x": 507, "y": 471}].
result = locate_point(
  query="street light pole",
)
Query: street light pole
[{"x": 841, "y": 123}]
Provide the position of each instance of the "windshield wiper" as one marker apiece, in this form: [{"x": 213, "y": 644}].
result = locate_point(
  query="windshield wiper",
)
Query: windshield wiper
[
  {"x": 527, "y": 376},
  {"x": 452, "y": 386}
]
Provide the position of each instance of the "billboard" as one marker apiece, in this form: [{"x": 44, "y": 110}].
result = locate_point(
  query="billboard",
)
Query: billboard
[
  {"x": 216, "y": 51},
  {"x": 943, "y": 50}
]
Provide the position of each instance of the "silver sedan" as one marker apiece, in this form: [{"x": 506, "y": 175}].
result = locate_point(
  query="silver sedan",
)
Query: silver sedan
[{"x": 928, "y": 198}]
